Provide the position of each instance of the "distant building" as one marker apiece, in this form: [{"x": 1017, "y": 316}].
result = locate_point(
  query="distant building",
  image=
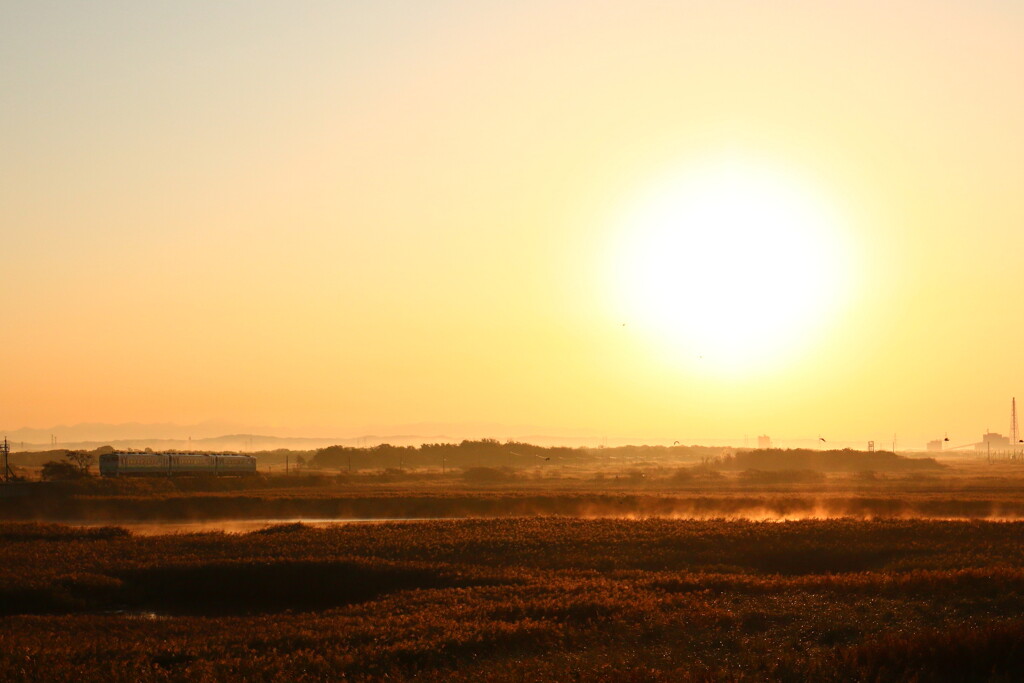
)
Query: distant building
[
  {"x": 991, "y": 441},
  {"x": 935, "y": 445},
  {"x": 764, "y": 441}
]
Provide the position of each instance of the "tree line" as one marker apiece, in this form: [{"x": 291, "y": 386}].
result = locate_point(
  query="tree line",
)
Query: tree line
[{"x": 494, "y": 453}]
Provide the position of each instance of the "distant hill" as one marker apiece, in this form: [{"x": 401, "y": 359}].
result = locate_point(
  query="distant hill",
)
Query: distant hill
[{"x": 827, "y": 461}]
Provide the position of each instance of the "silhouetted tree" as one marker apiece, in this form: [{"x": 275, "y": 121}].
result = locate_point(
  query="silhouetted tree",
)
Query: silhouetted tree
[{"x": 82, "y": 460}]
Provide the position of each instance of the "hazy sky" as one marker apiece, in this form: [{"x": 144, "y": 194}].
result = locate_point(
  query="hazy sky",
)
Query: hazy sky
[{"x": 353, "y": 214}]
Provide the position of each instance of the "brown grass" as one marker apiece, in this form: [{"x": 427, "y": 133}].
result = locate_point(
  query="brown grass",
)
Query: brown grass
[{"x": 518, "y": 599}]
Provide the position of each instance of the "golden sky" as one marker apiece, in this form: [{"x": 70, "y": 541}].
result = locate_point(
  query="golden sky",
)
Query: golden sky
[{"x": 343, "y": 216}]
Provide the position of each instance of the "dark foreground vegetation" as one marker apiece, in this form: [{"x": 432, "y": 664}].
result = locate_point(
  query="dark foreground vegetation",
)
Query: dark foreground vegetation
[{"x": 517, "y": 599}]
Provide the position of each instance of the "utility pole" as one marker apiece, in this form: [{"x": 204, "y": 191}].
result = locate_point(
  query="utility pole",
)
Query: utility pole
[
  {"x": 5, "y": 450},
  {"x": 1014, "y": 429}
]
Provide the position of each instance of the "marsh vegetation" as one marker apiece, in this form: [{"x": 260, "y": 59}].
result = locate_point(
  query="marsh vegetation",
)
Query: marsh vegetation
[
  {"x": 517, "y": 599},
  {"x": 645, "y": 569}
]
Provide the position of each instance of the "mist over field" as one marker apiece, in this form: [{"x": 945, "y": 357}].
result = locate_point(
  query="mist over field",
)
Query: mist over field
[{"x": 488, "y": 478}]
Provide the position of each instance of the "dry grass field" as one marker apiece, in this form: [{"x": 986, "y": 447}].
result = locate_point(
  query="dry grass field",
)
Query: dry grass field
[
  {"x": 517, "y": 599},
  {"x": 642, "y": 573}
]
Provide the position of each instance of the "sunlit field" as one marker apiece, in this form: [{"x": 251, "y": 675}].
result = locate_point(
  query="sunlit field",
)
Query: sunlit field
[
  {"x": 633, "y": 571},
  {"x": 517, "y": 599}
]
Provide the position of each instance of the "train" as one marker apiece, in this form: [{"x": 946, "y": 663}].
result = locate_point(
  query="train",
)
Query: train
[{"x": 170, "y": 464}]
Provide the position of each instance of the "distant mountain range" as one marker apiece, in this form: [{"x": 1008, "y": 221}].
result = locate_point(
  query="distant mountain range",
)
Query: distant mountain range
[
  {"x": 95, "y": 431},
  {"x": 225, "y": 436},
  {"x": 221, "y": 436},
  {"x": 227, "y": 442}
]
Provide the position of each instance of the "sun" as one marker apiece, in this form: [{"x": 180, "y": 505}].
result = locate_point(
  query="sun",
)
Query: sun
[{"x": 730, "y": 265}]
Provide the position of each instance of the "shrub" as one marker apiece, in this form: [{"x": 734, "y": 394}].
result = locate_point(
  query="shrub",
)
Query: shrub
[{"x": 55, "y": 470}]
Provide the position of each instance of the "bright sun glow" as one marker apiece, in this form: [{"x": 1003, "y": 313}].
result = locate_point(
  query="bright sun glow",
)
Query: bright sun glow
[{"x": 734, "y": 265}]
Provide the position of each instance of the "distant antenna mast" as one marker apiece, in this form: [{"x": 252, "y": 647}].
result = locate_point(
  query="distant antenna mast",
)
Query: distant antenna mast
[{"x": 1014, "y": 429}]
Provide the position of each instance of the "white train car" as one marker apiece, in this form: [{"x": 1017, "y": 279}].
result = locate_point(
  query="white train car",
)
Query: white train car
[{"x": 170, "y": 464}]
